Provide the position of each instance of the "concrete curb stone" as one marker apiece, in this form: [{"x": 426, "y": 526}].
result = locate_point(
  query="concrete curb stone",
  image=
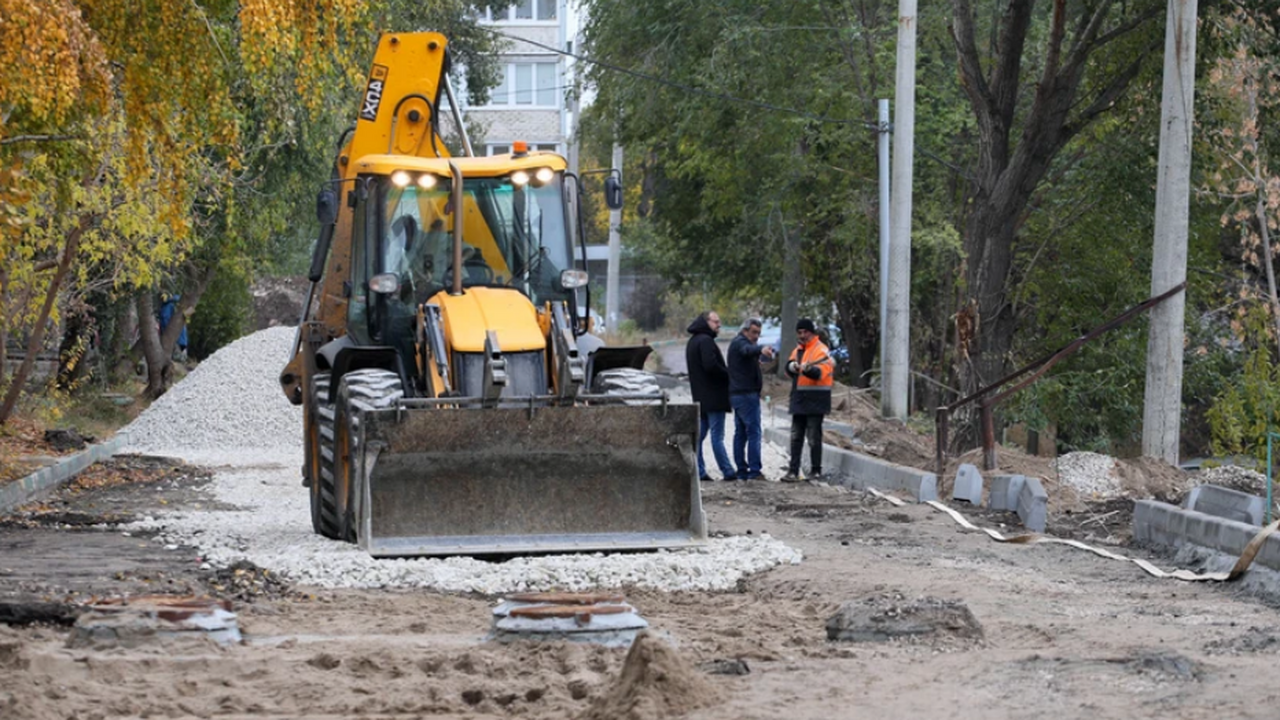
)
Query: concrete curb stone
[
  {"x": 968, "y": 485},
  {"x": 861, "y": 471},
  {"x": 1226, "y": 503},
  {"x": 1004, "y": 492},
  {"x": 1033, "y": 504},
  {"x": 24, "y": 490},
  {"x": 1162, "y": 524}
]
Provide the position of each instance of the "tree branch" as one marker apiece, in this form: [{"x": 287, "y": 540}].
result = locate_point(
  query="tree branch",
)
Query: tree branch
[
  {"x": 975, "y": 84},
  {"x": 38, "y": 138}
]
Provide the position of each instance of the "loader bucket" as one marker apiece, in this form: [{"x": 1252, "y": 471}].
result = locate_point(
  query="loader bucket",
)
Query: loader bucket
[{"x": 455, "y": 481}]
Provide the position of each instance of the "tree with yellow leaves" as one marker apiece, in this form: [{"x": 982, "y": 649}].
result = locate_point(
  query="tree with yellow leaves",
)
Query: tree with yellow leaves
[{"x": 148, "y": 143}]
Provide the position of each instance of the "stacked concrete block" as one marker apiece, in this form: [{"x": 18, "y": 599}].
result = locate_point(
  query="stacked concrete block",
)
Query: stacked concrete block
[
  {"x": 968, "y": 485},
  {"x": 1158, "y": 523},
  {"x": 1226, "y": 503}
]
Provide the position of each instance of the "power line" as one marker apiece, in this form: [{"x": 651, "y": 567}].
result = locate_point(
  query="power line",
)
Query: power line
[{"x": 690, "y": 88}]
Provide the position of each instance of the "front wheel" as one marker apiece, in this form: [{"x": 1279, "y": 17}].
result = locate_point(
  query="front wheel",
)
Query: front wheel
[
  {"x": 324, "y": 518},
  {"x": 359, "y": 391}
]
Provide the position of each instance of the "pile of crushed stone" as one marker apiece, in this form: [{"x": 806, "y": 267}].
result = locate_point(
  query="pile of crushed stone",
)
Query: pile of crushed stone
[
  {"x": 230, "y": 401},
  {"x": 229, "y": 414},
  {"x": 1090, "y": 475},
  {"x": 1234, "y": 477}
]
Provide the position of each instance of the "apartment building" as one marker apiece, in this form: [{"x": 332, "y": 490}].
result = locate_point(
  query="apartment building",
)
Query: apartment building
[{"x": 530, "y": 103}]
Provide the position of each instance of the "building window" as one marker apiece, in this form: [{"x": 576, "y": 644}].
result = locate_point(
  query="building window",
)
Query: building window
[
  {"x": 528, "y": 84},
  {"x": 523, "y": 11}
]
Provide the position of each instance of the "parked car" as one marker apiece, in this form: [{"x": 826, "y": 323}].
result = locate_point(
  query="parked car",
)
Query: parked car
[{"x": 771, "y": 334}]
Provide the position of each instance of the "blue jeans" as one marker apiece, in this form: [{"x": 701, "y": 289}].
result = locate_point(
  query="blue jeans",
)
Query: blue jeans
[
  {"x": 746, "y": 433},
  {"x": 713, "y": 422}
]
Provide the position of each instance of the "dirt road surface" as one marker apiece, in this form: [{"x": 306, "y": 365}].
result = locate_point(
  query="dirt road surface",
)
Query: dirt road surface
[{"x": 1063, "y": 633}]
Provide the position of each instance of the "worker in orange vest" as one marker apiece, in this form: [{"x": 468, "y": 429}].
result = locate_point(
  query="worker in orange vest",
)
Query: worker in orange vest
[{"x": 811, "y": 369}]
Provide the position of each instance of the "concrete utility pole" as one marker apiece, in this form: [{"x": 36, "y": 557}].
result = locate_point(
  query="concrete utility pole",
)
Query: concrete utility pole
[
  {"x": 611, "y": 308},
  {"x": 1162, "y": 406},
  {"x": 885, "y": 133},
  {"x": 792, "y": 286},
  {"x": 896, "y": 373}
]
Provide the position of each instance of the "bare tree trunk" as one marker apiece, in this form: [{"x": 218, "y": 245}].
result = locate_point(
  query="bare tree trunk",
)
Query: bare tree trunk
[
  {"x": 1271, "y": 270},
  {"x": 4, "y": 324},
  {"x": 159, "y": 362},
  {"x": 127, "y": 343},
  {"x": 989, "y": 248},
  {"x": 38, "y": 331},
  {"x": 158, "y": 347}
]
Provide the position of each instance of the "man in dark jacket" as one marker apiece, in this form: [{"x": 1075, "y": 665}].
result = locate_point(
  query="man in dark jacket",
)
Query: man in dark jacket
[
  {"x": 811, "y": 370},
  {"x": 709, "y": 380},
  {"x": 745, "y": 384}
]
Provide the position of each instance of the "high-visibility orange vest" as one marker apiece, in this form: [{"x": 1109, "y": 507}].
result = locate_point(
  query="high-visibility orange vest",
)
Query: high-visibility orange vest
[{"x": 817, "y": 354}]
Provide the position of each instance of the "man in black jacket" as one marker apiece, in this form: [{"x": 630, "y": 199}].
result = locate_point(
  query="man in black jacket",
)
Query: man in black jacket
[
  {"x": 745, "y": 384},
  {"x": 709, "y": 380}
]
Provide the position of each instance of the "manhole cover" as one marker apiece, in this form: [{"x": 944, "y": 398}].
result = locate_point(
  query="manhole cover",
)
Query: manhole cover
[
  {"x": 132, "y": 620},
  {"x": 584, "y": 617}
]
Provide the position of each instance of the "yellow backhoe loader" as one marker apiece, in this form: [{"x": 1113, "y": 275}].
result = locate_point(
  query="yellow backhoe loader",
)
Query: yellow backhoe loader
[{"x": 455, "y": 402}]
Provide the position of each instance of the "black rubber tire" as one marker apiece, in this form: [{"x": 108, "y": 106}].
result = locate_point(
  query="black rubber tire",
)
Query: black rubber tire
[
  {"x": 324, "y": 518},
  {"x": 359, "y": 391},
  {"x": 627, "y": 381}
]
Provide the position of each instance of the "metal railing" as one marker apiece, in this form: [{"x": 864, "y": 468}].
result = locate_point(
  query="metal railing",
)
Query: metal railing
[
  {"x": 1040, "y": 367},
  {"x": 1271, "y": 435}
]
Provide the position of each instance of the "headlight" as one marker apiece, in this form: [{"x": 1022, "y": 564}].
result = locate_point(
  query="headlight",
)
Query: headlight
[
  {"x": 400, "y": 178},
  {"x": 519, "y": 178},
  {"x": 426, "y": 181},
  {"x": 544, "y": 175}
]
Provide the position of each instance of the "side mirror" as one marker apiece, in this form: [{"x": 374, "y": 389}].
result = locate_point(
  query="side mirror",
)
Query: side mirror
[
  {"x": 385, "y": 284},
  {"x": 572, "y": 279},
  {"x": 327, "y": 207},
  {"x": 613, "y": 192}
]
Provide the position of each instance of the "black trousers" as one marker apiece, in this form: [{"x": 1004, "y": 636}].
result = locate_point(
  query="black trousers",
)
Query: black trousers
[{"x": 806, "y": 427}]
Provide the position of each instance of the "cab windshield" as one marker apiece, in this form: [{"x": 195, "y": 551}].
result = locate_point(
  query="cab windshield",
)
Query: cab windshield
[{"x": 511, "y": 237}]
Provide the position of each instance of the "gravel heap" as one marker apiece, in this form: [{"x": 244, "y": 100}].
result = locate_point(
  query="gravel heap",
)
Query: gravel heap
[
  {"x": 230, "y": 414},
  {"x": 231, "y": 401},
  {"x": 1091, "y": 475},
  {"x": 1234, "y": 477}
]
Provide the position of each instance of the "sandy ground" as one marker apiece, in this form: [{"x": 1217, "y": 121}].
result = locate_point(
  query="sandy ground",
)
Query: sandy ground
[{"x": 1064, "y": 634}]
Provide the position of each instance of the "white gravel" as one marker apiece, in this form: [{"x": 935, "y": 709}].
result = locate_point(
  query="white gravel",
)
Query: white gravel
[
  {"x": 229, "y": 414},
  {"x": 1089, "y": 474},
  {"x": 232, "y": 401}
]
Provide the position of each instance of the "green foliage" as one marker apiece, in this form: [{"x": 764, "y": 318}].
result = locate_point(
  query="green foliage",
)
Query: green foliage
[
  {"x": 1249, "y": 408},
  {"x": 225, "y": 313}
]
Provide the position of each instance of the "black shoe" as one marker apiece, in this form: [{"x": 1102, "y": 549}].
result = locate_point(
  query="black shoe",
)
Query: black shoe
[
  {"x": 705, "y": 478},
  {"x": 754, "y": 476},
  {"x": 791, "y": 478}
]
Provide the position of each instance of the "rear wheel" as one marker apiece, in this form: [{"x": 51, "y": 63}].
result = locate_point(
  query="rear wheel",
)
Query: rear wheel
[{"x": 360, "y": 391}]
